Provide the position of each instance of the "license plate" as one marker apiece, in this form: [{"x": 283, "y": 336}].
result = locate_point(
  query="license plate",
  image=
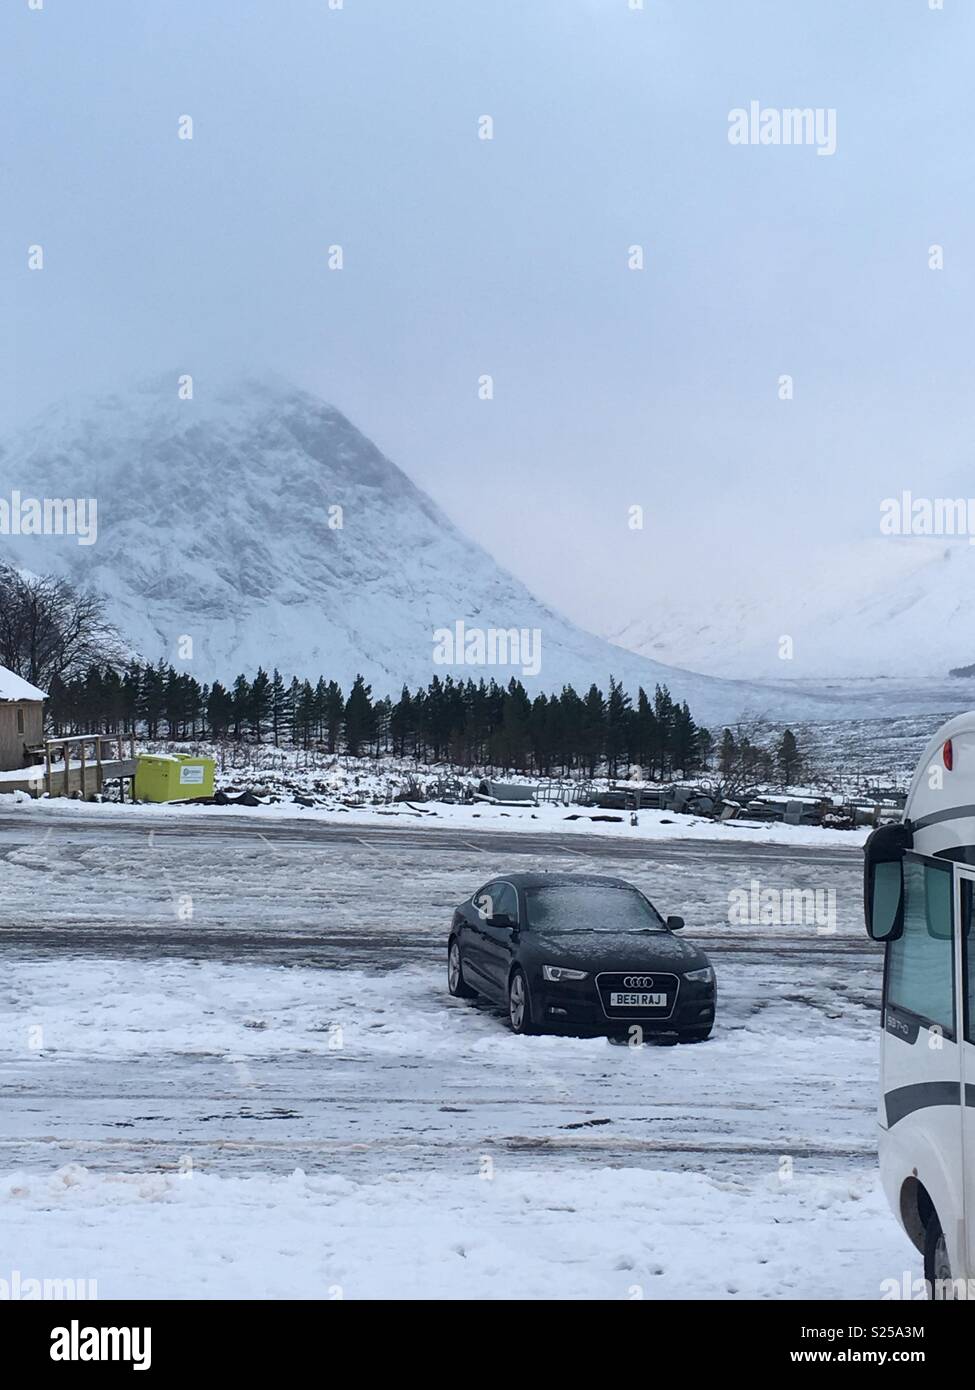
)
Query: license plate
[{"x": 639, "y": 1000}]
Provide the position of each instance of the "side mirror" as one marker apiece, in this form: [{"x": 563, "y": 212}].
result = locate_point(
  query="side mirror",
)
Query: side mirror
[
  {"x": 883, "y": 881},
  {"x": 674, "y": 923}
]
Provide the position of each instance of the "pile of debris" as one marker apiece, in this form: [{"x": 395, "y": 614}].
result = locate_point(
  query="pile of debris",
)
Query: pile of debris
[{"x": 711, "y": 803}]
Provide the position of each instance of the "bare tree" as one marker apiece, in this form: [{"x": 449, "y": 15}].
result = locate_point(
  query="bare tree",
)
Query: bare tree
[
  {"x": 744, "y": 759},
  {"x": 49, "y": 628}
]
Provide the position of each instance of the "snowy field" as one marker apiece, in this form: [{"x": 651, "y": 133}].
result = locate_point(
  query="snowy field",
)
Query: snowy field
[{"x": 229, "y": 1067}]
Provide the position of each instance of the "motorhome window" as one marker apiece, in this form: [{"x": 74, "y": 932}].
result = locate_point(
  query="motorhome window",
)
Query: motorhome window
[
  {"x": 920, "y": 964},
  {"x": 958, "y": 854},
  {"x": 968, "y": 955},
  {"x": 886, "y": 899}
]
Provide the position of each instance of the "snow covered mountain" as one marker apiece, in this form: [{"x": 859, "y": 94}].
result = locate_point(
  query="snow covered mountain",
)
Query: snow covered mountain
[
  {"x": 213, "y": 525},
  {"x": 886, "y": 606}
]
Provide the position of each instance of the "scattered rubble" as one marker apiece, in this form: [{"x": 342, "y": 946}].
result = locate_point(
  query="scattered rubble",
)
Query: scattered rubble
[{"x": 264, "y": 775}]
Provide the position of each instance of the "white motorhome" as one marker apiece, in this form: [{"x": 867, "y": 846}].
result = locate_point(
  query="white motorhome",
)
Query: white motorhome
[{"x": 919, "y": 891}]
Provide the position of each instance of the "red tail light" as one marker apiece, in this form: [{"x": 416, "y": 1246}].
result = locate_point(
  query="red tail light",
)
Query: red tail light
[{"x": 948, "y": 754}]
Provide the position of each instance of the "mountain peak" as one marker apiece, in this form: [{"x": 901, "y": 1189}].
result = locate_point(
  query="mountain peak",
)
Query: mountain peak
[{"x": 256, "y": 521}]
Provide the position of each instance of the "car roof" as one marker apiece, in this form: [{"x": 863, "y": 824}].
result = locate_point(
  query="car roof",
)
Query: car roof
[{"x": 557, "y": 880}]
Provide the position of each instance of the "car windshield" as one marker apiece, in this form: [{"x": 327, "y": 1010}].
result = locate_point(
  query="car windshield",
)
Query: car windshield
[{"x": 579, "y": 907}]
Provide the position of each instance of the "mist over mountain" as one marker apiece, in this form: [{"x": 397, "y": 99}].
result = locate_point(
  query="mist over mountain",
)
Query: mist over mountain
[
  {"x": 884, "y": 606},
  {"x": 213, "y": 525}
]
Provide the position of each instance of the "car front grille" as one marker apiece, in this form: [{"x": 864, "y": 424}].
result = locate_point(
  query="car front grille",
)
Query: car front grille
[{"x": 634, "y": 981}]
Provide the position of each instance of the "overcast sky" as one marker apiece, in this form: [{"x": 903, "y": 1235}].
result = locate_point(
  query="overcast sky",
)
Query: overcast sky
[{"x": 359, "y": 126}]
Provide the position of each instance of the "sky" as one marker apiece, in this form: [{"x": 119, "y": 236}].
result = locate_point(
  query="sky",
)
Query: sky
[{"x": 358, "y": 126}]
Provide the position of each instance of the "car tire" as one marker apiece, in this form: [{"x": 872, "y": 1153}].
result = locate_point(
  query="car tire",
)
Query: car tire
[
  {"x": 937, "y": 1268},
  {"x": 520, "y": 1016},
  {"x": 456, "y": 983},
  {"x": 692, "y": 1035}
]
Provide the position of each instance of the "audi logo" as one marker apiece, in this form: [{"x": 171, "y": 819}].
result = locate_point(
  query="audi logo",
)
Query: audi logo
[{"x": 638, "y": 982}]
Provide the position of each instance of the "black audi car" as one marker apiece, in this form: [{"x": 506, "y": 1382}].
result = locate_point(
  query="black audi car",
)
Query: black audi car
[{"x": 579, "y": 953}]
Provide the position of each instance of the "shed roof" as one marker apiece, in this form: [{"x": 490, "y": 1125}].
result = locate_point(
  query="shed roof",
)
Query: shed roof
[{"x": 14, "y": 687}]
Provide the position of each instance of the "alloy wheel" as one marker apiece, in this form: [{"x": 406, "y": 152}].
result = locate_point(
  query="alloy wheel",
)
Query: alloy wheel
[
  {"x": 517, "y": 1002},
  {"x": 453, "y": 967}
]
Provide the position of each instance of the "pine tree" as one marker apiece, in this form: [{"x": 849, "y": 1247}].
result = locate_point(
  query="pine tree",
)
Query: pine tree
[
  {"x": 359, "y": 717},
  {"x": 306, "y": 714},
  {"x": 401, "y": 722},
  {"x": 705, "y": 747},
  {"x": 643, "y": 726},
  {"x": 240, "y": 704},
  {"x": 571, "y": 719},
  {"x": 131, "y": 687},
  {"x": 593, "y": 730},
  {"x": 152, "y": 697},
  {"x": 513, "y": 741},
  {"x": 685, "y": 741},
  {"x": 260, "y": 703},
  {"x": 293, "y": 712},
  {"x": 319, "y": 712},
  {"x": 663, "y": 713},
  {"x": 219, "y": 710},
  {"x": 57, "y": 704},
  {"x": 174, "y": 703},
  {"x": 333, "y": 713},
  {"x": 540, "y": 733},
  {"x": 787, "y": 758},
  {"x": 382, "y": 711},
  {"x": 279, "y": 707},
  {"x": 418, "y": 740},
  {"x": 200, "y": 709},
  {"x": 617, "y": 709}
]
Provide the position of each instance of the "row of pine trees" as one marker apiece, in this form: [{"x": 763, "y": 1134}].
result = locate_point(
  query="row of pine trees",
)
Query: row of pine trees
[{"x": 469, "y": 724}]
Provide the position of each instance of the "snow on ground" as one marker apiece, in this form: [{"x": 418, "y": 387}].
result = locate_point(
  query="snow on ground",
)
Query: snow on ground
[
  {"x": 624, "y": 1233},
  {"x": 272, "y": 1093},
  {"x": 209, "y": 1129},
  {"x": 548, "y": 819},
  {"x": 115, "y": 1008},
  {"x": 190, "y": 882}
]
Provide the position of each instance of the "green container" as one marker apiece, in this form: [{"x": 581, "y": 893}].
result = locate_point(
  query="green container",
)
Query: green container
[{"x": 173, "y": 777}]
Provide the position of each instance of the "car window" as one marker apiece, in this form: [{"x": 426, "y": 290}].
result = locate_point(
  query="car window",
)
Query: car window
[
  {"x": 590, "y": 907},
  {"x": 506, "y": 901},
  {"x": 484, "y": 898}
]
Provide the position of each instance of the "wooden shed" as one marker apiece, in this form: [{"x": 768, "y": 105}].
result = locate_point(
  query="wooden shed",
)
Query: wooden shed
[{"x": 21, "y": 719}]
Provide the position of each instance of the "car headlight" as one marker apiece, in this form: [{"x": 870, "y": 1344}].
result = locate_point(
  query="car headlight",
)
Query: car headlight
[
  {"x": 559, "y": 972},
  {"x": 704, "y": 976}
]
